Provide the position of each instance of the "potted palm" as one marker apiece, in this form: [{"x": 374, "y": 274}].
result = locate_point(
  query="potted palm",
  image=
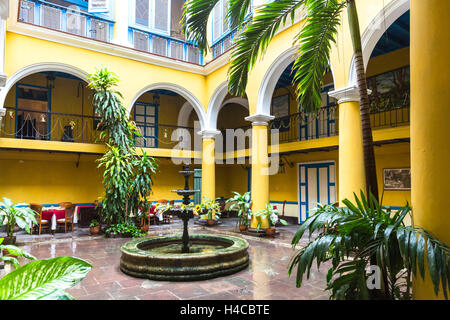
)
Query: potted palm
[
  {"x": 94, "y": 227},
  {"x": 270, "y": 214},
  {"x": 243, "y": 203},
  {"x": 15, "y": 214}
]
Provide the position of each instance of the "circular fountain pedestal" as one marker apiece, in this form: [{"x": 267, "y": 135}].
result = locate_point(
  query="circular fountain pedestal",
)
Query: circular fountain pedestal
[{"x": 160, "y": 258}]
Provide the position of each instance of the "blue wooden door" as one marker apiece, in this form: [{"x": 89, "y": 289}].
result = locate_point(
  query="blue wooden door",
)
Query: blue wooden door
[{"x": 317, "y": 184}]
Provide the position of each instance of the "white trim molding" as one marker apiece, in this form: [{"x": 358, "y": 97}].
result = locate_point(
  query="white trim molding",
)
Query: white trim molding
[
  {"x": 260, "y": 119},
  {"x": 209, "y": 134},
  {"x": 348, "y": 94},
  {"x": 375, "y": 30},
  {"x": 40, "y": 67}
]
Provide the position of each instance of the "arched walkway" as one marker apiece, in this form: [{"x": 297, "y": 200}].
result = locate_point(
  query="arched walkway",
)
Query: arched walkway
[
  {"x": 190, "y": 98},
  {"x": 40, "y": 67}
]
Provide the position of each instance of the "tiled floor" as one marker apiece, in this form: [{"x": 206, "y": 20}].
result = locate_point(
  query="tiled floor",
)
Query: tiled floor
[{"x": 265, "y": 278}]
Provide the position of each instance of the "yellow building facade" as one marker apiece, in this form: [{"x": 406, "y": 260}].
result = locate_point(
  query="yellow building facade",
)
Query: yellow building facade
[{"x": 179, "y": 100}]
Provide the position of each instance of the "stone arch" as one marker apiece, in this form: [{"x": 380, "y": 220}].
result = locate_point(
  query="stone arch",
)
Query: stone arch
[
  {"x": 190, "y": 98},
  {"x": 375, "y": 30},
  {"x": 216, "y": 103},
  {"x": 40, "y": 67}
]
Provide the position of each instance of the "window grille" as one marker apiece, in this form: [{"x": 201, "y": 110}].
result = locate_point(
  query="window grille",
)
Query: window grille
[
  {"x": 99, "y": 30},
  {"x": 193, "y": 54},
  {"x": 142, "y": 12},
  {"x": 162, "y": 15},
  {"x": 26, "y": 13},
  {"x": 50, "y": 17},
  {"x": 177, "y": 50},
  {"x": 140, "y": 40},
  {"x": 159, "y": 45},
  {"x": 76, "y": 24}
]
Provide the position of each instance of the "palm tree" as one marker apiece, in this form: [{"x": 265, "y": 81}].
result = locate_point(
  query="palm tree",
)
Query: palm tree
[{"x": 314, "y": 40}]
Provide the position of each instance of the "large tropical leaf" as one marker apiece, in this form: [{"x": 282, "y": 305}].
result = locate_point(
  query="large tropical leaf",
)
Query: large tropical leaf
[
  {"x": 315, "y": 40},
  {"x": 43, "y": 279},
  {"x": 255, "y": 38}
]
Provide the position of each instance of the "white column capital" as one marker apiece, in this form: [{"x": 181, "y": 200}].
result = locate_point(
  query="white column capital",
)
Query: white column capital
[
  {"x": 209, "y": 133},
  {"x": 347, "y": 94},
  {"x": 260, "y": 119}
]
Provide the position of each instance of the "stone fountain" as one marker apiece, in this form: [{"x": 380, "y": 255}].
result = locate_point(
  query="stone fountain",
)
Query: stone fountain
[{"x": 184, "y": 257}]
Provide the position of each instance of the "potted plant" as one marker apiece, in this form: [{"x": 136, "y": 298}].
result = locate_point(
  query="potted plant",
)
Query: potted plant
[
  {"x": 210, "y": 209},
  {"x": 270, "y": 214},
  {"x": 15, "y": 214},
  {"x": 95, "y": 227},
  {"x": 243, "y": 203}
]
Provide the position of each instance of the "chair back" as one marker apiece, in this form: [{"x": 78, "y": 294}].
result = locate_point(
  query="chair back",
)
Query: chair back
[
  {"x": 163, "y": 201},
  {"x": 69, "y": 210},
  {"x": 36, "y": 208},
  {"x": 65, "y": 204},
  {"x": 284, "y": 206},
  {"x": 172, "y": 202}
]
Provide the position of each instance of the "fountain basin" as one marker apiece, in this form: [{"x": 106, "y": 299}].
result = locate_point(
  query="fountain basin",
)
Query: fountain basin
[{"x": 160, "y": 258}]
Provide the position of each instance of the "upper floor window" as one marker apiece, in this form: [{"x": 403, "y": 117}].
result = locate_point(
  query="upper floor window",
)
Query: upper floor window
[
  {"x": 153, "y": 14},
  {"x": 220, "y": 24}
]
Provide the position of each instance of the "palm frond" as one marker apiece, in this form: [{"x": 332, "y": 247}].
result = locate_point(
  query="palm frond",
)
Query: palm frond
[
  {"x": 255, "y": 38},
  {"x": 237, "y": 12},
  {"x": 195, "y": 21},
  {"x": 315, "y": 40}
]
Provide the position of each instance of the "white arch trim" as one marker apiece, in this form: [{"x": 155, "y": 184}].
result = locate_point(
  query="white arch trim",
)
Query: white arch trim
[
  {"x": 193, "y": 101},
  {"x": 216, "y": 103},
  {"x": 375, "y": 30},
  {"x": 39, "y": 67},
  {"x": 183, "y": 115}
]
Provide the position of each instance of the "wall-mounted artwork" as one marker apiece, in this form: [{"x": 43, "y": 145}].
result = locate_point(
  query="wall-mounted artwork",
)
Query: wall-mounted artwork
[{"x": 397, "y": 179}]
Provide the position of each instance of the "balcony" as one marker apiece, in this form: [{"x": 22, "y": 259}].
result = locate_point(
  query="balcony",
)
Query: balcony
[
  {"x": 75, "y": 128},
  {"x": 164, "y": 46},
  {"x": 65, "y": 19}
]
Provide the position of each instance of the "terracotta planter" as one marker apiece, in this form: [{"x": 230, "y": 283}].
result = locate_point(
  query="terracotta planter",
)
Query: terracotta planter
[
  {"x": 95, "y": 230},
  {"x": 243, "y": 227},
  {"x": 210, "y": 222},
  {"x": 270, "y": 232},
  {"x": 144, "y": 228}
]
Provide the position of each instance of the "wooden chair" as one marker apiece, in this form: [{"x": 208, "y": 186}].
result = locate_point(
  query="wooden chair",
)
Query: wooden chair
[
  {"x": 68, "y": 216},
  {"x": 166, "y": 217},
  {"x": 151, "y": 215},
  {"x": 41, "y": 224},
  {"x": 64, "y": 204}
]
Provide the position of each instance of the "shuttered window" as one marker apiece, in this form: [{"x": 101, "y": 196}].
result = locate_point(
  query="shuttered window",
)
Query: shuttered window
[
  {"x": 177, "y": 50},
  {"x": 140, "y": 40},
  {"x": 142, "y": 12},
  {"x": 225, "y": 27},
  {"x": 76, "y": 24},
  {"x": 220, "y": 22},
  {"x": 162, "y": 15},
  {"x": 26, "y": 13},
  {"x": 193, "y": 55},
  {"x": 99, "y": 30},
  {"x": 159, "y": 45},
  {"x": 50, "y": 17}
]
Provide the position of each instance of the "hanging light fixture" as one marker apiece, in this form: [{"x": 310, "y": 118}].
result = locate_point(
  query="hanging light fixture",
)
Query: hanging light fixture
[
  {"x": 42, "y": 118},
  {"x": 156, "y": 99},
  {"x": 50, "y": 81}
]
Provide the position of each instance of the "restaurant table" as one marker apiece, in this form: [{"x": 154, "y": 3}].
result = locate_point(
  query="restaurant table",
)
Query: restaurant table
[{"x": 55, "y": 214}]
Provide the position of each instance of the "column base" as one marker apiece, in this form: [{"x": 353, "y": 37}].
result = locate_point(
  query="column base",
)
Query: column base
[{"x": 257, "y": 233}]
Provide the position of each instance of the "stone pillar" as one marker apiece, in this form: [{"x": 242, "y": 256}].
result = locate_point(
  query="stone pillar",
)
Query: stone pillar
[
  {"x": 260, "y": 167},
  {"x": 120, "y": 30},
  {"x": 430, "y": 129},
  {"x": 351, "y": 158},
  {"x": 209, "y": 164}
]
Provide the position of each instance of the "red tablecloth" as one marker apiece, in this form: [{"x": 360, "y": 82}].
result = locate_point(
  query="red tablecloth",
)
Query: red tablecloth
[{"x": 47, "y": 214}]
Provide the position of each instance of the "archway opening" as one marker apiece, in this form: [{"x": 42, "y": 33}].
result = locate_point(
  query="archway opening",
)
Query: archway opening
[{"x": 50, "y": 105}]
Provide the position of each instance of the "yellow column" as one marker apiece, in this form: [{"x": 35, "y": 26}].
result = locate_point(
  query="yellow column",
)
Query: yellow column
[
  {"x": 120, "y": 29},
  {"x": 260, "y": 167},
  {"x": 208, "y": 165},
  {"x": 351, "y": 158},
  {"x": 430, "y": 129}
]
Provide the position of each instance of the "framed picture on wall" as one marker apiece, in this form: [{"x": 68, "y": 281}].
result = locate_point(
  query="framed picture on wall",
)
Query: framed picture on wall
[
  {"x": 280, "y": 109},
  {"x": 397, "y": 179}
]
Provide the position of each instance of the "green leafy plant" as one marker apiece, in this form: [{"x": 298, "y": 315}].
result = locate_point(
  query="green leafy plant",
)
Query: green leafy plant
[
  {"x": 125, "y": 229},
  {"x": 365, "y": 234},
  {"x": 126, "y": 174},
  {"x": 94, "y": 223},
  {"x": 40, "y": 279},
  {"x": 243, "y": 204},
  {"x": 16, "y": 214},
  {"x": 270, "y": 214}
]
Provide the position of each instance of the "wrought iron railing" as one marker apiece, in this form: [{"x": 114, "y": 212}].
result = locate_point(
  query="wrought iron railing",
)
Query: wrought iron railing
[
  {"x": 67, "y": 19},
  {"x": 164, "y": 46},
  {"x": 390, "y": 109},
  {"x": 54, "y": 126}
]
